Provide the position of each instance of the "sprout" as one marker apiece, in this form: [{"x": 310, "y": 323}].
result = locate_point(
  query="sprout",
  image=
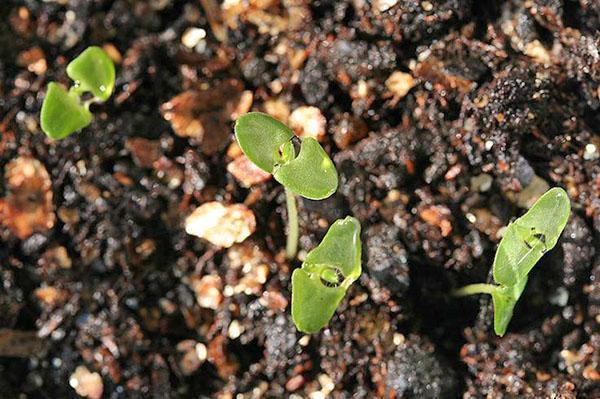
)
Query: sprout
[
  {"x": 329, "y": 269},
  {"x": 63, "y": 111},
  {"x": 524, "y": 242},
  {"x": 326, "y": 273},
  {"x": 269, "y": 144}
]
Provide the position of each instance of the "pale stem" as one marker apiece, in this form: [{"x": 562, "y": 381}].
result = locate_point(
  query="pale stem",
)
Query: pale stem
[
  {"x": 291, "y": 247},
  {"x": 473, "y": 289}
]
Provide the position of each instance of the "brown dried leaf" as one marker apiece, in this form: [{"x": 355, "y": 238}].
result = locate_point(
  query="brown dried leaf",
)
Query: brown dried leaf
[{"x": 205, "y": 114}]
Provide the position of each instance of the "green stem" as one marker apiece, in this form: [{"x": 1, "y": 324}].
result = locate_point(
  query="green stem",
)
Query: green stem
[
  {"x": 292, "y": 237},
  {"x": 473, "y": 289}
]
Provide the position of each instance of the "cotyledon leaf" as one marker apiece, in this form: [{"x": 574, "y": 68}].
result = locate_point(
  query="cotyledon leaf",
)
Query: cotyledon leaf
[
  {"x": 93, "y": 71},
  {"x": 311, "y": 174},
  {"x": 340, "y": 248},
  {"x": 314, "y": 296},
  {"x": 261, "y": 138},
  {"x": 62, "y": 113},
  {"x": 527, "y": 239},
  {"x": 313, "y": 303},
  {"x": 505, "y": 300},
  {"x": 524, "y": 242}
]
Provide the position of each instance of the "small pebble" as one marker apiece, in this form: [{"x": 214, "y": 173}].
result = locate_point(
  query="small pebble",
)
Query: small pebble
[
  {"x": 246, "y": 172},
  {"x": 400, "y": 83},
  {"x": 384, "y": 5},
  {"x": 221, "y": 225},
  {"x": 86, "y": 383},
  {"x": 208, "y": 291},
  {"x": 308, "y": 122},
  {"x": 591, "y": 152},
  {"x": 192, "y": 37},
  {"x": 481, "y": 183}
]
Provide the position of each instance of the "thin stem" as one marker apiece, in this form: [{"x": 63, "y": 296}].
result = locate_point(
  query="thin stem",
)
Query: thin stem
[
  {"x": 473, "y": 289},
  {"x": 292, "y": 237}
]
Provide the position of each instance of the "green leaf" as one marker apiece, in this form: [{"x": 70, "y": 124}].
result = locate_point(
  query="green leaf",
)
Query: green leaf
[
  {"x": 524, "y": 242},
  {"x": 311, "y": 174},
  {"x": 313, "y": 303},
  {"x": 340, "y": 248},
  {"x": 268, "y": 143},
  {"x": 261, "y": 138},
  {"x": 527, "y": 239},
  {"x": 327, "y": 272},
  {"x": 93, "y": 71},
  {"x": 505, "y": 299},
  {"x": 62, "y": 113}
]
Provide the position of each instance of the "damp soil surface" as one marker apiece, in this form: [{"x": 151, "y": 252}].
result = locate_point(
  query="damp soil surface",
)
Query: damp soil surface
[{"x": 446, "y": 119}]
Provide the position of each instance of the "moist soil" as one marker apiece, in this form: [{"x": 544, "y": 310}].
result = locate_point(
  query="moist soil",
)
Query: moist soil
[{"x": 445, "y": 119}]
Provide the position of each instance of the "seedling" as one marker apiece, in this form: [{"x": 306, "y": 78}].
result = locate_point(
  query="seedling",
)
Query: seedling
[
  {"x": 64, "y": 112},
  {"x": 326, "y": 273},
  {"x": 269, "y": 144},
  {"x": 524, "y": 242}
]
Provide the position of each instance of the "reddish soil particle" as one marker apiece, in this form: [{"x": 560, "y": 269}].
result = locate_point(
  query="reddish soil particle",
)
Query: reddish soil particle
[
  {"x": 222, "y": 360},
  {"x": 144, "y": 152},
  {"x": 247, "y": 173},
  {"x": 28, "y": 207}
]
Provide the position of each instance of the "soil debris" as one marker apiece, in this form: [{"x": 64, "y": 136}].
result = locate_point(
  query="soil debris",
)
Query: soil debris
[
  {"x": 28, "y": 207},
  {"x": 204, "y": 114},
  {"x": 86, "y": 383},
  {"x": 246, "y": 172},
  {"x": 222, "y": 225},
  {"x": 308, "y": 122}
]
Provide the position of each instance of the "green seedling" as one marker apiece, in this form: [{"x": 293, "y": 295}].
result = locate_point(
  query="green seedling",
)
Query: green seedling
[
  {"x": 310, "y": 173},
  {"x": 524, "y": 242},
  {"x": 64, "y": 111},
  {"x": 326, "y": 273}
]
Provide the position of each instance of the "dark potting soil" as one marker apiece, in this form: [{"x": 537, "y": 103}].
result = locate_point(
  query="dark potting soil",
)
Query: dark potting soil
[{"x": 445, "y": 118}]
